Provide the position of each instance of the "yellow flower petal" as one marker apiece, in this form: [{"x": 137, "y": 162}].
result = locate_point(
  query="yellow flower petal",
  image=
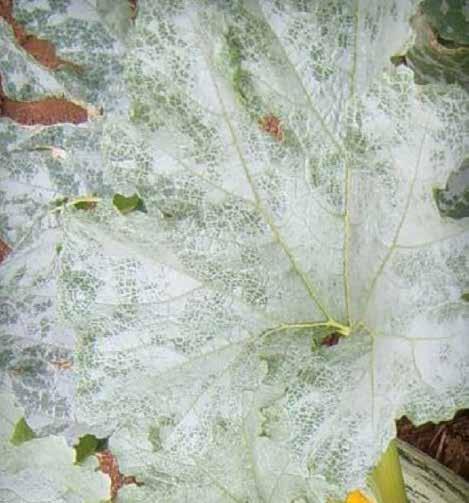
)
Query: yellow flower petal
[{"x": 357, "y": 497}]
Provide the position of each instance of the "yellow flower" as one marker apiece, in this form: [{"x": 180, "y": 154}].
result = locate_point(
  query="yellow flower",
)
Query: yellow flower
[{"x": 357, "y": 497}]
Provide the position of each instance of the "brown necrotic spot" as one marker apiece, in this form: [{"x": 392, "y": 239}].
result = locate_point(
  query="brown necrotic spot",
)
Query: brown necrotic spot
[
  {"x": 4, "y": 250},
  {"x": 272, "y": 125},
  {"x": 331, "y": 339},
  {"x": 109, "y": 465},
  {"x": 47, "y": 111},
  {"x": 133, "y": 8},
  {"x": 42, "y": 50}
]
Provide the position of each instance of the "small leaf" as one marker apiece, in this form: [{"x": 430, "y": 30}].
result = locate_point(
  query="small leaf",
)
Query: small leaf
[
  {"x": 126, "y": 204},
  {"x": 88, "y": 445},
  {"x": 465, "y": 297},
  {"x": 22, "y": 432}
]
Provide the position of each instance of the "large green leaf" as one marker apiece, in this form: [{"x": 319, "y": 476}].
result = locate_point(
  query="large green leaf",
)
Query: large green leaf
[{"x": 287, "y": 172}]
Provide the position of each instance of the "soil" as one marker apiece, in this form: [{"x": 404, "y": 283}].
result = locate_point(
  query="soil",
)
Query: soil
[{"x": 447, "y": 442}]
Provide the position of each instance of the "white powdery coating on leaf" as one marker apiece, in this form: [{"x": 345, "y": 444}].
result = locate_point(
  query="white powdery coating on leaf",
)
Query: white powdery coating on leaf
[
  {"x": 287, "y": 181},
  {"x": 42, "y": 469}
]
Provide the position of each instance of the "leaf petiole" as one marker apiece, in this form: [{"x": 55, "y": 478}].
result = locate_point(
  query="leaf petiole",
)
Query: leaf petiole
[{"x": 386, "y": 480}]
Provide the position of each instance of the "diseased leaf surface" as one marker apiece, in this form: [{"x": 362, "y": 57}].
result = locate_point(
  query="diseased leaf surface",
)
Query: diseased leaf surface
[
  {"x": 287, "y": 171},
  {"x": 34, "y": 470}
]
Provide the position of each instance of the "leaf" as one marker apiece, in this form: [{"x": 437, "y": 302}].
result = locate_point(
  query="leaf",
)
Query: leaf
[
  {"x": 287, "y": 173},
  {"x": 441, "y": 49},
  {"x": 88, "y": 445},
  {"x": 450, "y": 19},
  {"x": 22, "y": 432},
  {"x": 42, "y": 469},
  {"x": 39, "y": 165},
  {"x": 453, "y": 200},
  {"x": 128, "y": 204},
  {"x": 83, "y": 38}
]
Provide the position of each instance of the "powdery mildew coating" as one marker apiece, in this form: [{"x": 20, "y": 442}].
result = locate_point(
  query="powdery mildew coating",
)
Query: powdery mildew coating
[{"x": 194, "y": 326}]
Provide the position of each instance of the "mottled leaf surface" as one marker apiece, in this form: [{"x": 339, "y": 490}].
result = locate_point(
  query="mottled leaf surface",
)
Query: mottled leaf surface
[
  {"x": 42, "y": 469},
  {"x": 287, "y": 171}
]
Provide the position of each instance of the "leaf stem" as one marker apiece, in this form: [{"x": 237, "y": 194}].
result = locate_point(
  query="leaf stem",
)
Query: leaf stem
[{"x": 386, "y": 480}]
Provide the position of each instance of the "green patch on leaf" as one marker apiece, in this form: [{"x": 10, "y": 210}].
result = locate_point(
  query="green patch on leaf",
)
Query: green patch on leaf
[
  {"x": 80, "y": 203},
  {"x": 88, "y": 445},
  {"x": 398, "y": 59},
  {"x": 449, "y": 18},
  {"x": 155, "y": 432},
  {"x": 59, "y": 202},
  {"x": 465, "y": 297},
  {"x": 240, "y": 78},
  {"x": 453, "y": 200},
  {"x": 22, "y": 432},
  {"x": 441, "y": 49},
  {"x": 126, "y": 204},
  {"x": 85, "y": 205}
]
